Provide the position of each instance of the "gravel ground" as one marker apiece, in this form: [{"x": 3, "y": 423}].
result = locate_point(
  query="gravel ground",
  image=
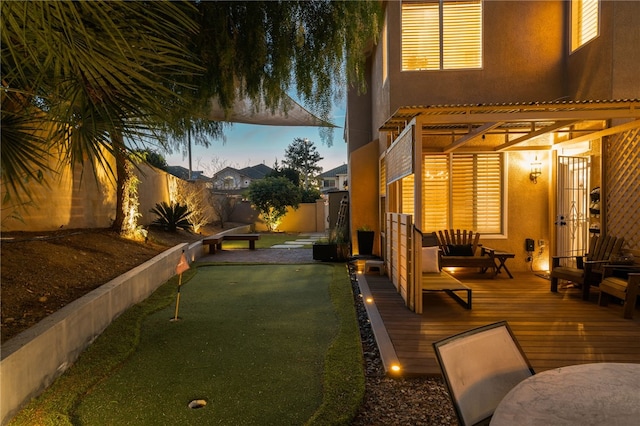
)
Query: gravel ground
[
  {"x": 396, "y": 401},
  {"x": 388, "y": 401}
]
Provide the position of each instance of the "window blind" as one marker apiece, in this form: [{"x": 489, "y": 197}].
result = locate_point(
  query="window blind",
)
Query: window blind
[
  {"x": 420, "y": 36},
  {"x": 462, "y": 35},
  {"x": 584, "y": 22},
  {"x": 462, "y": 193},
  {"x": 447, "y": 37},
  {"x": 383, "y": 177},
  {"x": 408, "y": 194},
  {"x": 471, "y": 199},
  {"x": 385, "y": 55},
  {"x": 435, "y": 190},
  {"x": 489, "y": 195},
  {"x": 399, "y": 157}
]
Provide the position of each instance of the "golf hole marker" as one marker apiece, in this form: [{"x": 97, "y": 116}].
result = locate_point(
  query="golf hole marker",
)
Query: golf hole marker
[{"x": 197, "y": 403}]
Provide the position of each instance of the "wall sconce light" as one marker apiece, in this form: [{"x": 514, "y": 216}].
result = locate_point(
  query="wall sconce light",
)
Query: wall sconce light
[{"x": 536, "y": 170}]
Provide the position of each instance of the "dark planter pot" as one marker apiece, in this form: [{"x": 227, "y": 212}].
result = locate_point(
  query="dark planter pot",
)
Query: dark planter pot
[
  {"x": 330, "y": 252},
  {"x": 365, "y": 242}
]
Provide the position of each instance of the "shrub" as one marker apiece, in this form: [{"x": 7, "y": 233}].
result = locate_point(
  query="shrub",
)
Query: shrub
[{"x": 171, "y": 217}]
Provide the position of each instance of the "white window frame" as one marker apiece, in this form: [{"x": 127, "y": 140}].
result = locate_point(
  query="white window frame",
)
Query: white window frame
[
  {"x": 431, "y": 35},
  {"x": 585, "y": 22}
]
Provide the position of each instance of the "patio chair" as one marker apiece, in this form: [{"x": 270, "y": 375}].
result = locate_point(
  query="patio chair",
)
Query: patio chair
[
  {"x": 589, "y": 268},
  {"x": 461, "y": 249},
  {"x": 625, "y": 286},
  {"x": 480, "y": 366}
]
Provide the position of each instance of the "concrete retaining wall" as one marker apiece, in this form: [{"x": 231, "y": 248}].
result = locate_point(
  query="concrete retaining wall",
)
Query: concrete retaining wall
[{"x": 32, "y": 360}]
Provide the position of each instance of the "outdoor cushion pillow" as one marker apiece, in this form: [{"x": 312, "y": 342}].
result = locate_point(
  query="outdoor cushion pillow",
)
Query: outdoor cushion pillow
[
  {"x": 460, "y": 250},
  {"x": 430, "y": 259}
]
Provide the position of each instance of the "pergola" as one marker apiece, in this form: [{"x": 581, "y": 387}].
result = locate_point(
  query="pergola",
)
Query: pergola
[
  {"x": 524, "y": 126},
  {"x": 485, "y": 128}
]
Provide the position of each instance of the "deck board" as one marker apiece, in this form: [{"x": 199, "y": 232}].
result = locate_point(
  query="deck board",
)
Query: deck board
[{"x": 554, "y": 329}]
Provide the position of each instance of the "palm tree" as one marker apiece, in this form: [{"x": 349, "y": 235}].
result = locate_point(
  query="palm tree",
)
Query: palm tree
[{"x": 85, "y": 77}]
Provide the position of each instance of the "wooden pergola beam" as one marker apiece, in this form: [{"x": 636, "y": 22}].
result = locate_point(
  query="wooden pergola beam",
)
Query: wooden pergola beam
[
  {"x": 476, "y": 133},
  {"x": 606, "y": 132},
  {"x": 534, "y": 134}
]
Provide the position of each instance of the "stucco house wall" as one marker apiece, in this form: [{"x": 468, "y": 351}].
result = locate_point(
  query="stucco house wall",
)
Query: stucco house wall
[
  {"x": 525, "y": 59},
  {"x": 515, "y": 68},
  {"x": 80, "y": 198}
]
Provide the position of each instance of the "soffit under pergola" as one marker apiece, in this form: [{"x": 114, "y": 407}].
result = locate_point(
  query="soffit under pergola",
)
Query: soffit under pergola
[{"x": 520, "y": 126}]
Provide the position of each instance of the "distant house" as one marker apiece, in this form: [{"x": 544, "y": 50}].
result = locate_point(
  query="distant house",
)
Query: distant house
[
  {"x": 234, "y": 179},
  {"x": 183, "y": 173},
  {"x": 334, "y": 179}
]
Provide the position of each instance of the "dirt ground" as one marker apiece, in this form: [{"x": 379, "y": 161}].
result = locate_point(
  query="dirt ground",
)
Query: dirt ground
[{"x": 43, "y": 271}]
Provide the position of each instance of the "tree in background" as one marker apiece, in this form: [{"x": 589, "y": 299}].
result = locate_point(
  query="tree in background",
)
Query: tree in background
[
  {"x": 153, "y": 158},
  {"x": 272, "y": 196},
  {"x": 286, "y": 172},
  {"x": 307, "y": 195},
  {"x": 198, "y": 200},
  {"x": 302, "y": 155},
  {"x": 223, "y": 205}
]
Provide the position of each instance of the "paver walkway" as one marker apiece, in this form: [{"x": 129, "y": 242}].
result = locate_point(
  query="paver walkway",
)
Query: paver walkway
[{"x": 290, "y": 252}]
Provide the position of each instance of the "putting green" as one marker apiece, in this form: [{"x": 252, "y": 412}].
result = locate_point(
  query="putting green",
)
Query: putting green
[{"x": 251, "y": 342}]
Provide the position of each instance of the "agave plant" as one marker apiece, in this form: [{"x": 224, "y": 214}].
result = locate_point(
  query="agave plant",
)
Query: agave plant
[{"x": 171, "y": 216}]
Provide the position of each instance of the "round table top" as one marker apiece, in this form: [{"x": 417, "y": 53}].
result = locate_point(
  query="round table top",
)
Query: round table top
[{"x": 585, "y": 394}]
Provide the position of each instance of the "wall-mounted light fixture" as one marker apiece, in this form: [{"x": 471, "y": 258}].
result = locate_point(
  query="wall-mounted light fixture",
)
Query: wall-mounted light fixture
[{"x": 536, "y": 170}]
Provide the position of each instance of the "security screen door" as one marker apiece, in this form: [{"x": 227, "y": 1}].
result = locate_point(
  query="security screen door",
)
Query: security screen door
[{"x": 572, "y": 213}]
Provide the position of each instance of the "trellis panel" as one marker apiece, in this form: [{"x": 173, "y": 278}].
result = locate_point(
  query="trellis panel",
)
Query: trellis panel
[{"x": 623, "y": 187}]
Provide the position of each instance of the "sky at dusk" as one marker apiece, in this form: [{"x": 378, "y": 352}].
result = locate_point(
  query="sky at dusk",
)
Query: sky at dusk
[{"x": 250, "y": 144}]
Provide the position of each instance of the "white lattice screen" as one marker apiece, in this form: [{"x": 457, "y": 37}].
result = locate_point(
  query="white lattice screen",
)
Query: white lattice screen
[{"x": 623, "y": 187}]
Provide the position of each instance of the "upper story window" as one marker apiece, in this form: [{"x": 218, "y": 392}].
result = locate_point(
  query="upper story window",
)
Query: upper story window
[
  {"x": 585, "y": 17},
  {"x": 329, "y": 183},
  {"x": 385, "y": 51},
  {"x": 441, "y": 35}
]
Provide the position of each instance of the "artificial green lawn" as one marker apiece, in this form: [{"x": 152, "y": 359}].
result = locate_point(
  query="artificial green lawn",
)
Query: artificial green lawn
[{"x": 262, "y": 344}]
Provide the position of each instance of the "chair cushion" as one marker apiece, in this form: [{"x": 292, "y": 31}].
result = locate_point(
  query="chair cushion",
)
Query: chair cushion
[
  {"x": 430, "y": 259},
  {"x": 460, "y": 250}
]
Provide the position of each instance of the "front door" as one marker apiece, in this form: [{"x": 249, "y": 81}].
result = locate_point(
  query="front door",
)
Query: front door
[{"x": 572, "y": 207}]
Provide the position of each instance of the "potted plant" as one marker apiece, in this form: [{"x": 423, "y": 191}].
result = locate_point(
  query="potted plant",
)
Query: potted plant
[
  {"x": 335, "y": 248},
  {"x": 365, "y": 240}
]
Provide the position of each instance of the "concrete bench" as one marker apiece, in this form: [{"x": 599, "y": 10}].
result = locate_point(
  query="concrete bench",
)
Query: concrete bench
[
  {"x": 215, "y": 241},
  {"x": 625, "y": 290},
  {"x": 433, "y": 281}
]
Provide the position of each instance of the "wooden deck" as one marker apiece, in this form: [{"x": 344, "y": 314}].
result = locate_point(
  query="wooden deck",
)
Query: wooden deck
[{"x": 554, "y": 329}]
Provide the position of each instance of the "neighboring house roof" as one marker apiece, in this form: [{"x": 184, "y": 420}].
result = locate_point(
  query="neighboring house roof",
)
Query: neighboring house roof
[
  {"x": 227, "y": 170},
  {"x": 254, "y": 172},
  {"x": 340, "y": 170},
  {"x": 183, "y": 173},
  {"x": 258, "y": 171}
]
